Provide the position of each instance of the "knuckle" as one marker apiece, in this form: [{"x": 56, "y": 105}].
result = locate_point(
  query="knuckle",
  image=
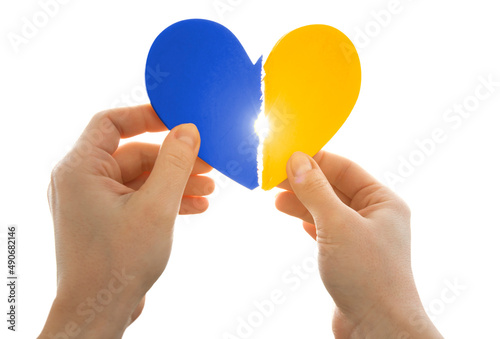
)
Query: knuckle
[
  {"x": 57, "y": 174},
  {"x": 103, "y": 122},
  {"x": 344, "y": 170},
  {"x": 404, "y": 208},
  {"x": 179, "y": 160},
  {"x": 50, "y": 192},
  {"x": 401, "y": 207},
  {"x": 100, "y": 116},
  {"x": 200, "y": 204},
  {"x": 54, "y": 174},
  {"x": 202, "y": 185},
  {"x": 314, "y": 182}
]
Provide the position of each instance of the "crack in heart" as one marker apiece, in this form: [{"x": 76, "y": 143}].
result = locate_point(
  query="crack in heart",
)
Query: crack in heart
[{"x": 305, "y": 91}]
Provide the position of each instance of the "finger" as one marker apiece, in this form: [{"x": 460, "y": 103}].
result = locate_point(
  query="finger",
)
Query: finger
[
  {"x": 310, "y": 229},
  {"x": 201, "y": 167},
  {"x": 137, "y": 183},
  {"x": 107, "y": 128},
  {"x": 314, "y": 191},
  {"x": 199, "y": 186},
  {"x": 326, "y": 161},
  {"x": 345, "y": 199},
  {"x": 286, "y": 183},
  {"x": 288, "y": 203},
  {"x": 165, "y": 186},
  {"x": 135, "y": 158},
  {"x": 193, "y": 205},
  {"x": 344, "y": 174},
  {"x": 196, "y": 185}
]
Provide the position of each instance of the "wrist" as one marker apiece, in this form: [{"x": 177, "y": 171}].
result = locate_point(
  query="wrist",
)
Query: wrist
[
  {"x": 103, "y": 313},
  {"x": 397, "y": 323}
]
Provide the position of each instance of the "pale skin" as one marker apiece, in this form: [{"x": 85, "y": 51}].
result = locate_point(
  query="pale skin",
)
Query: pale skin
[
  {"x": 363, "y": 234},
  {"x": 114, "y": 216}
]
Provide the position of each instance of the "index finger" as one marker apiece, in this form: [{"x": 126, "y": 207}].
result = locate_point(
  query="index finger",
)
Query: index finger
[{"x": 107, "y": 128}]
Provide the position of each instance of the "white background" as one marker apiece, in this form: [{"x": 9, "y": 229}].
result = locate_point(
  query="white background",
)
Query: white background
[{"x": 429, "y": 57}]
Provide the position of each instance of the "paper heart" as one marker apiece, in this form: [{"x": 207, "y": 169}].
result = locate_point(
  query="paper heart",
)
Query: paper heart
[
  {"x": 312, "y": 80},
  {"x": 213, "y": 84}
]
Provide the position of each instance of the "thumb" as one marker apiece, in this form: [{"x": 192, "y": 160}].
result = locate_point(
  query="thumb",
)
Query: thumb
[
  {"x": 314, "y": 190},
  {"x": 165, "y": 186}
]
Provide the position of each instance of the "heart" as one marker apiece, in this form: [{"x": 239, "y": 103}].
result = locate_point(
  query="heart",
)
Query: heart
[
  {"x": 213, "y": 84},
  {"x": 311, "y": 83}
]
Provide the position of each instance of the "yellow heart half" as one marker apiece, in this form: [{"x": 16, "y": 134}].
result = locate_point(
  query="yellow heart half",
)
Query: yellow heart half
[{"x": 311, "y": 83}]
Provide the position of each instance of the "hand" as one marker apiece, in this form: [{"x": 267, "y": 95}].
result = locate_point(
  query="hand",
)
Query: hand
[
  {"x": 363, "y": 235},
  {"x": 114, "y": 211}
]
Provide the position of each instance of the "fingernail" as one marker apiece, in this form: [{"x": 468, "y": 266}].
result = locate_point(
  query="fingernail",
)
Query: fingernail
[
  {"x": 187, "y": 134},
  {"x": 300, "y": 164}
]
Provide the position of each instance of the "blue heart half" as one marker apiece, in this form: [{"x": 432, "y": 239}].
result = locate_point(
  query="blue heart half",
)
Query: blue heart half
[{"x": 209, "y": 81}]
